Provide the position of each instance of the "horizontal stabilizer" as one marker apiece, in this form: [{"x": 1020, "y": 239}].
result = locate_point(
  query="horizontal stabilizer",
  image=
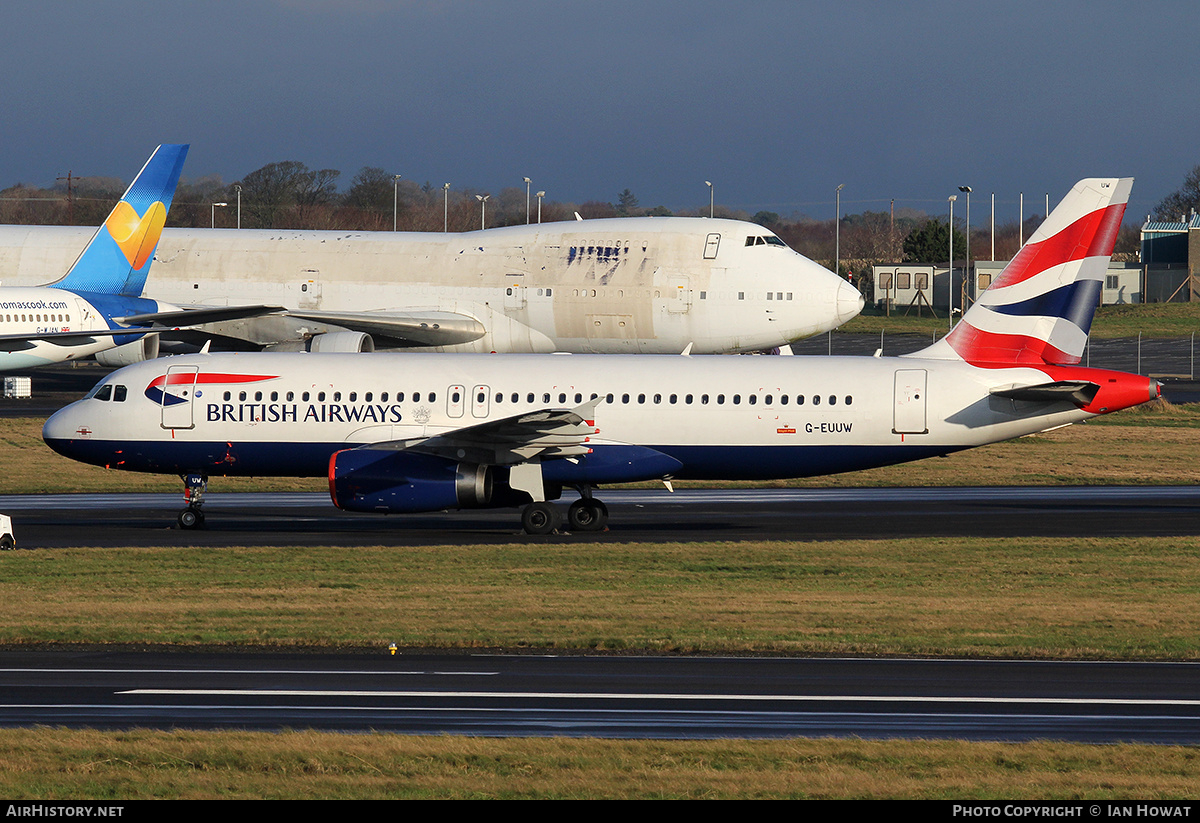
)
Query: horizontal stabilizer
[
  {"x": 401, "y": 329},
  {"x": 1079, "y": 392}
]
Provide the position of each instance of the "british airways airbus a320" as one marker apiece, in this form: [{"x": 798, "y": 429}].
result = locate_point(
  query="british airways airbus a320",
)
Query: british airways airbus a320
[{"x": 413, "y": 432}]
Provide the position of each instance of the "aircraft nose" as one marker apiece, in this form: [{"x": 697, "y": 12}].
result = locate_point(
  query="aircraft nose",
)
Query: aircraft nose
[
  {"x": 849, "y": 302},
  {"x": 60, "y": 429}
]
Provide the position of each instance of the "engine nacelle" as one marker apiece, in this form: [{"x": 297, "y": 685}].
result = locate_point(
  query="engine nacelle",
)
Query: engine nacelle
[
  {"x": 376, "y": 480},
  {"x": 145, "y": 348},
  {"x": 338, "y": 341}
]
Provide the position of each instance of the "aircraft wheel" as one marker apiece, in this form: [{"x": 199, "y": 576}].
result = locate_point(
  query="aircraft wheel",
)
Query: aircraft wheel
[
  {"x": 540, "y": 518},
  {"x": 190, "y": 519},
  {"x": 7, "y": 543},
  {"x": 587, "y": 515}
]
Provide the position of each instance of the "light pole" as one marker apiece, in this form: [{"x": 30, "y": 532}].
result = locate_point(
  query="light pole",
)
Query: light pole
[
  {"x": 482, "y": 198},
  {"x": 950, "y": 287},
  {"x": 527, "y": 181},
  {"x": 1021, "y": 222},
  {"x": 395, "y": 198},
  {"x": 213, "y": 215},
  {"x": 993, "y": 225},
  {"x": 710, "y": 199},
  {"x": 445, "y": 207},
  {"x": 540, "y": 195},
  {"x": 967, "y": 270},
  {"x": 239, "y": 210},
  {"x": 837, "y": 230}
]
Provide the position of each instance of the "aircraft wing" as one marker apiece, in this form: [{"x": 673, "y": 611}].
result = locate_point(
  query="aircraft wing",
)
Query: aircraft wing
[
  {"x": 140, "y": 324},
  {"x": 198, "y": 316},
  {"x": 403, "y": 329},
  {"x": 541, "y": 434}
]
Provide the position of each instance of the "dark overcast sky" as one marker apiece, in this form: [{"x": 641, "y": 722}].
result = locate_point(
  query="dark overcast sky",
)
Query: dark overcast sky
[{"x": 776, "y": 102}]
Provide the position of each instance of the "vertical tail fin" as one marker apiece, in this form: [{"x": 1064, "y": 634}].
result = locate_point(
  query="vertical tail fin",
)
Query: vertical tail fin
[
  {"x": 1039, "y": 309},
  {"x": 117, "y": 258}
]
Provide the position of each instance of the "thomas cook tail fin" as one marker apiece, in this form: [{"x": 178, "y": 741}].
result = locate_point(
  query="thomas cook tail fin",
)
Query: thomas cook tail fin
[
  {"x": 117, "y": 259},
  {"x": 1039, "y": 309}
]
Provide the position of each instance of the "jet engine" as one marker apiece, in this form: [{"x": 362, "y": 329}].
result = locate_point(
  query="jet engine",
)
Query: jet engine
[
  {"x": 145, "y": 348},
  {"x": 338, "y": 341},
  {"x": 377, "y": 480}
]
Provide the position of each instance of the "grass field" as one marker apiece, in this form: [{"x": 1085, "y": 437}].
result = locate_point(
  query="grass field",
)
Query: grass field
[{"x": 62, "y": 765}]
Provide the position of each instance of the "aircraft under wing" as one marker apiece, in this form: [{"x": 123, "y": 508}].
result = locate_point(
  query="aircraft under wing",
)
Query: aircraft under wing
[
  {"x": 138, "y": 324},
  {"x": 402, "y": 329},
  {"x": 541, "y": 434}
]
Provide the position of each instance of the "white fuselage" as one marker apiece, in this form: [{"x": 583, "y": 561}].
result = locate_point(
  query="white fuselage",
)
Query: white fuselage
[
  {"x": 720, "y": 417},
  {"x": 636, "y": 285},
  {"x": 26, "y": 312}
]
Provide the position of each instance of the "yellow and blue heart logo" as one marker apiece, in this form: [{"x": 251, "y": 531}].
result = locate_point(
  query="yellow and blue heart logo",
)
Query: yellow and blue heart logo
[{"x": 136, "y": 235}]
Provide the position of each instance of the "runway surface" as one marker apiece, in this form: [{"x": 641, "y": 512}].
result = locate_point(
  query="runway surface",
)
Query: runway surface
[
  {"x": 63, "y": 520},
  {"x": 612, "y": 697}
]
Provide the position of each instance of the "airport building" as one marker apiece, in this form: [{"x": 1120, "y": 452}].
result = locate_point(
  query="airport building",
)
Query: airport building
[
  {"x": 911, "y": 288},
  {"x": 1171, "y": 259}
]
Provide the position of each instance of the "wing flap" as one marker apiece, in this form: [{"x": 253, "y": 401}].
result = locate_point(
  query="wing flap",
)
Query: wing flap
[{"x": 416, "y": 328}]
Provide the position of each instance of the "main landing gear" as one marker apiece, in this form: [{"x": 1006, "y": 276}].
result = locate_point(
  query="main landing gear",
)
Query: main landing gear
[
  {"x": 587, "y": 514},
  {"x": 193, "y": 494}
]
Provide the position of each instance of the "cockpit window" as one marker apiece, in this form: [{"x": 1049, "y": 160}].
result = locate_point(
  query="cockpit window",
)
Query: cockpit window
[
  {"x": 760, "y": 240},
  {"x": 119, "y": 393},
  {"x": 103, "y": 392}
]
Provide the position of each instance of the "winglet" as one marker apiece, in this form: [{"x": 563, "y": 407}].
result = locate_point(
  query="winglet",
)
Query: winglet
[{"x": 117, "y": 259}]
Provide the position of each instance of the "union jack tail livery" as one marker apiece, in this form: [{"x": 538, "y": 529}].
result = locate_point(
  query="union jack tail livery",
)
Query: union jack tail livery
[
  {"x": 117, "y": 260},
  {"x": 1039, "y": 310}
]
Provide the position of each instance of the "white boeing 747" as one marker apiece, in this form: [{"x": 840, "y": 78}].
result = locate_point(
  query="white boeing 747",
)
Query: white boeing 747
[
  {"x": 628, "y": 285},
  {"x": 412, "y": 433}
]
